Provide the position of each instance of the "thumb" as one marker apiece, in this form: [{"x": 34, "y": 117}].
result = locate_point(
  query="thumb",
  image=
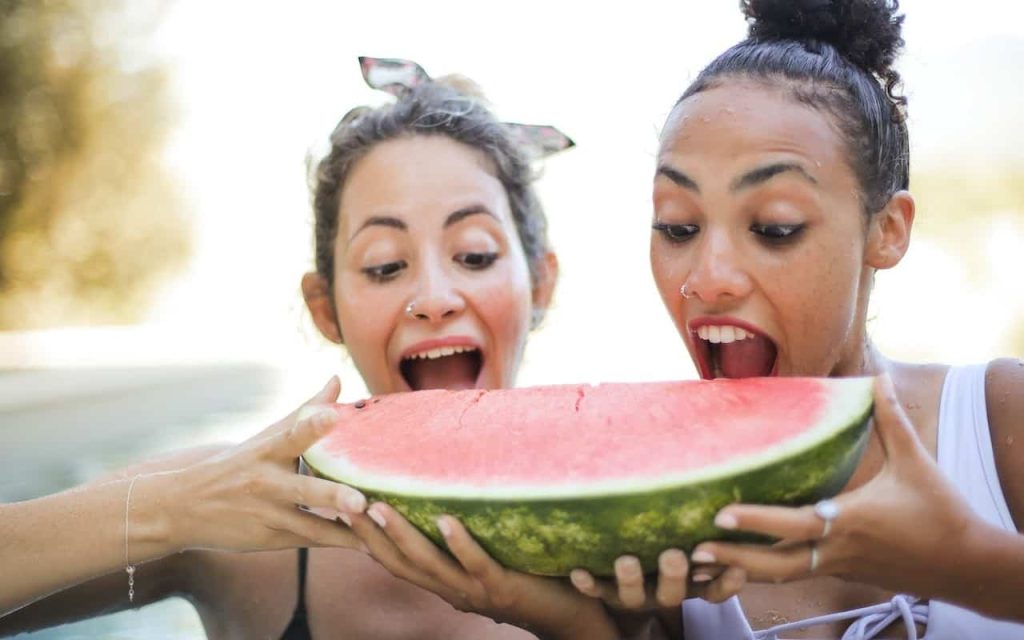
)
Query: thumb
[
  {"x": 311, "y": 424},
  {"x": 894, "y": 429},
  {"x": 329, "y": 393}
]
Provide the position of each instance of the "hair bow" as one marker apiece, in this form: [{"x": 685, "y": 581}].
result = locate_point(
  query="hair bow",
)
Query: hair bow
[{"x": 398, "y": 77}]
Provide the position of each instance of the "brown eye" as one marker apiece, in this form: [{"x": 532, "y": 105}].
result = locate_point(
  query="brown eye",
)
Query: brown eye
[
  {"x": 777, "y": 233},
  {"x": 384, "y": 272},
  {"x": 476, "y": 261},
  {"x": 676, "y": 233}
]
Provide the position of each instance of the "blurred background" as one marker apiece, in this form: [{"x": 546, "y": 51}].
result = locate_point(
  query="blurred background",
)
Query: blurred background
[{"x": 155, "y": 220}]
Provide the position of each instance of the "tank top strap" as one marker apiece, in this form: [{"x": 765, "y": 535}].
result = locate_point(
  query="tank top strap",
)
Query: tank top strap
[{"x": 964, "y": 444}]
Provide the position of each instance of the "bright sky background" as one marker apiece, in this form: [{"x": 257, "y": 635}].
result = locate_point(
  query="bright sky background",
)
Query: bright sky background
[{"x": 260, "y": 85}]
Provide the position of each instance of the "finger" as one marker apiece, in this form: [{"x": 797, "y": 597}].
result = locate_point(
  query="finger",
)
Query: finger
[
  {"x": 725, "y": 586},
  {"x": 384, "y": 551},
  {"x": 293, "y": 442},
  {"x": 787, "y": 523},
  {"x": 672, "y": 570},
  {"x": 701, "y": 576},
  {"x": 586, "y": 584},
  {"x": 630, "y": 579},
  {"x": 421, "y": 551},
  {"x": 895, "y": 431},
  {"x": 310, "y": 530},
  {"x": 778, "y": 563},
  {"x": 319, "y": 493},
  {"x": 476, "y": 562},
  {"x": 328, "y": 394}
]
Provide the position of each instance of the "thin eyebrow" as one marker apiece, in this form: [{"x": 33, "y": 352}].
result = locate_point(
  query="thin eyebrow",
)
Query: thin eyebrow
[
  {"x": 465, "y": 212},
  {"x": 766, "y": 173},
  {"x": 678, "y": 178},
  {"x": 381, "y": 221}
]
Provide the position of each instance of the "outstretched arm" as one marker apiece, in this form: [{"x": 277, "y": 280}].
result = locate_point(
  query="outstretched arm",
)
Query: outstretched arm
[{"x": 242, "y": 498}]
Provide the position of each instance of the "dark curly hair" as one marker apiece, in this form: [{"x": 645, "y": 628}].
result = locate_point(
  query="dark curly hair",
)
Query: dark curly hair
[
  {"x": 835, "y": 55},
  {"x": 439, "y": 108}
]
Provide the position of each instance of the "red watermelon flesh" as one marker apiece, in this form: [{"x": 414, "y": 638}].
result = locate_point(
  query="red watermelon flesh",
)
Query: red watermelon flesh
[{"x": 548, "y": 436}]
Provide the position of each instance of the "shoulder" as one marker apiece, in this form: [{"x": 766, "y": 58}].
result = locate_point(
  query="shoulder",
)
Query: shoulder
[{"x": 1004, "y": 401}]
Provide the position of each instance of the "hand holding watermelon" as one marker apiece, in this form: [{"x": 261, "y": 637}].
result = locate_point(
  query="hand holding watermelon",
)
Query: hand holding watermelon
[
  {"x": 868, "y": 540},
  {"x": 470, "y": 580},
  {"x": 246, "y": 498},
  {"x": 631, "y": 594}
]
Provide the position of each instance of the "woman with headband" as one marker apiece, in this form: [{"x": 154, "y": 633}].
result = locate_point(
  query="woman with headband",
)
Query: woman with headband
[{"x": 432, "y": 265}]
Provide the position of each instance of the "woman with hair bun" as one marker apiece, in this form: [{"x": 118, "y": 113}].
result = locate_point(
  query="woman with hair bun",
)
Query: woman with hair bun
[{"x": 781, "y": 189}]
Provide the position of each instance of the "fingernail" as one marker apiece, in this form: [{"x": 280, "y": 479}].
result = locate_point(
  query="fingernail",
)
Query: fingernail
[
  {"x": 671, "y": 560},
  {"x": 702, "y": 556},
  {"x": 377, "y": 517},
  {"x": 726, "y": 521},
  {"x": 701, "y": 577},
  {"x": 581, "y": 579},
  {"x": 444, "y": 526},
  {"x": 354, "y": 502},
  {"x": 344, "y": 518},
  {"x": 627, "y": 565}
]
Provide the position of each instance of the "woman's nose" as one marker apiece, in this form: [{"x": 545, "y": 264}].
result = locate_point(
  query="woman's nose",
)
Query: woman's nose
[
  {"x": 436, "y": 298},
  {"x": 719, "y": 272}
]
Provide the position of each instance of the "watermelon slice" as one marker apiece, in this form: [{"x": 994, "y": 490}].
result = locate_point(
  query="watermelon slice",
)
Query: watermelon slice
[{"x": 548, "y": 479}]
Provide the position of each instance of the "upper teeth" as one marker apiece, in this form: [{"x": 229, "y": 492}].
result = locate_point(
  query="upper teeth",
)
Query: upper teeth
[
  {"x": 440, "y": 352},
  {"x": 723, "y": 334}
]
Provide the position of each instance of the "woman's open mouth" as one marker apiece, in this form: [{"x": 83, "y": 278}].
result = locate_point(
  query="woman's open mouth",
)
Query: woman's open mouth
[
  {"x": 447, "y": 367},
  {"x": 728, "y": 349}
]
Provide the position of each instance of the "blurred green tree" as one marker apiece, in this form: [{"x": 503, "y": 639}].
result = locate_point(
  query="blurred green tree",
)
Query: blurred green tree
[{"x": 90, "y": 220}]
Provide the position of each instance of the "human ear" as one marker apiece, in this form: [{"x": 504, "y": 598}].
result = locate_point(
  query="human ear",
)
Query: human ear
[
  {"x": 544, "y": 289},
  {"x": 889, "y": 232},
  {"x": 317, "y": 294}
]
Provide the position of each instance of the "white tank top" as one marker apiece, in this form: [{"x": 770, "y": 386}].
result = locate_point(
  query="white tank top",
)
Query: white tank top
[{"x": 964, "y": 454}]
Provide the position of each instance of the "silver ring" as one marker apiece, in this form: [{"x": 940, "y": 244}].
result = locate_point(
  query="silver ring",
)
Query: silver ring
[
  {"x": 683, "y": 291},
  {"x": 827, "y": 510},
  {"x": 815, "y": 556}
]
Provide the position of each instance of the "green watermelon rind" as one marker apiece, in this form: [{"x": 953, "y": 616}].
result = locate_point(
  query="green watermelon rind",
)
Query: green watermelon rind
[{"x": 554, "y": 535}]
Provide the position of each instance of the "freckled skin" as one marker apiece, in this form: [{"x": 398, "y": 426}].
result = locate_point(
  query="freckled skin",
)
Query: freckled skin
[{"x": 422, "y": 180}]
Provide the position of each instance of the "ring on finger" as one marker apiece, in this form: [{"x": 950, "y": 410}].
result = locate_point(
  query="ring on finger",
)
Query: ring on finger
[
  {"x": 815, "y": 558},
  {"x": 827, "y": 510}
]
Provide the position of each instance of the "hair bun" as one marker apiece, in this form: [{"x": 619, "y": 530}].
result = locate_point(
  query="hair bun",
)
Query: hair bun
[{"x": 865, "y": 32}]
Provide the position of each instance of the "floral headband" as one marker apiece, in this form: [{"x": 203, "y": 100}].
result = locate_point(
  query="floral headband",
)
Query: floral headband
[{"x": 398, "y": 77}]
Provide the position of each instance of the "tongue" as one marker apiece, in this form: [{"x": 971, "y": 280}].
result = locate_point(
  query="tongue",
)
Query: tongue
[
  {"x": 747, "y": 358},
  {"x": 457, "y": 371}
]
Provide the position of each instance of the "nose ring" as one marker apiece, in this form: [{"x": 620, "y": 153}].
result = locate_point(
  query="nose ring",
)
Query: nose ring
[
  {"x": 409, "y": 309},
  {"x": 685, "y": 293}
]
